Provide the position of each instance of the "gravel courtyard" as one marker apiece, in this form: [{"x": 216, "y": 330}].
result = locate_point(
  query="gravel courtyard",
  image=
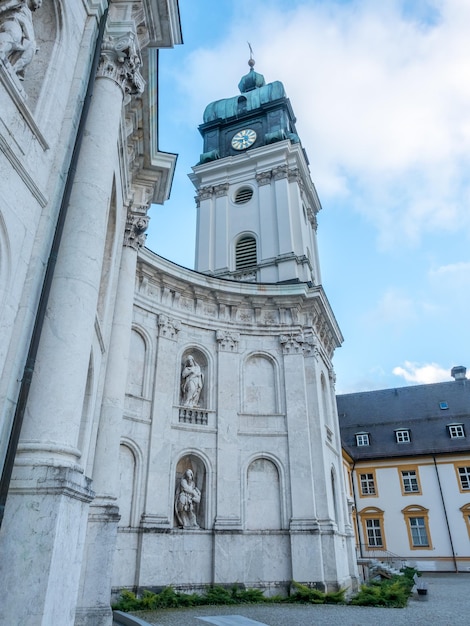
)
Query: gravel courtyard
[{"x": 447, "y": 604}]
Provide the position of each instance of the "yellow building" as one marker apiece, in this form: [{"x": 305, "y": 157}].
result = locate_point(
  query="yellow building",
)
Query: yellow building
[{"x": 406, "y": 452}]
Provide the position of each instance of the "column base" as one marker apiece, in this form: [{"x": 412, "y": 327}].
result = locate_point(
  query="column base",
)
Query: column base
[{"x": 41, "y": 543}]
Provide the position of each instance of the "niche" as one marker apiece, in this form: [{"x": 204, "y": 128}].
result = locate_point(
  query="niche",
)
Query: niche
[{"x": 190, "y": 496}]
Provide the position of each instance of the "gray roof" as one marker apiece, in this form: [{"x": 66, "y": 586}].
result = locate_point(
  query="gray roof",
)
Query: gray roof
[{"x": 417, "y": 408}]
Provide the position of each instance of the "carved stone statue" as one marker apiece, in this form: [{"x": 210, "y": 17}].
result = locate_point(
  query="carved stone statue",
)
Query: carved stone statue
[
  {"x": 192, "y": 382},
  {"x": 17, "y": 40},
  {"x": 187, "y": 496}
]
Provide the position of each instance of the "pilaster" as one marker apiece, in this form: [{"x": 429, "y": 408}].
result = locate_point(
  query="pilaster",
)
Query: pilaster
[{"x": 93, "y": 604}]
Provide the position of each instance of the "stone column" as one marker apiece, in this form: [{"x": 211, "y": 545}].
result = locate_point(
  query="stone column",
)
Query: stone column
[
  {"x": 304, "y": 528},
  {"x": 93, "y": 603},
  {"x": 47, "y": 506}
]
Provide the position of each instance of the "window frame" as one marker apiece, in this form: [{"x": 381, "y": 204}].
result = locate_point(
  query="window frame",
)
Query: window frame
[
  {"x": 363, "y": 437},
  {"x": 371, "y": 473},
  {"x": 454, "y": 429},
  {"x": 415, "y": 511},
  {"x": 409, "y": 468},
  {"x": 458, "y": 467},
  {"x": 465, "y": 510},
  {"x": 403, "y": 431},
  {"x": 372, "y": 513}
]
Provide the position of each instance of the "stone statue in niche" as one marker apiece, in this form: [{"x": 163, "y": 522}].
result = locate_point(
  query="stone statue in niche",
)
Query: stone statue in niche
[
  {"x": 17, "y": 40},
  {"x": 192, "y": 382},
  {"x": 187, "y": 498}
]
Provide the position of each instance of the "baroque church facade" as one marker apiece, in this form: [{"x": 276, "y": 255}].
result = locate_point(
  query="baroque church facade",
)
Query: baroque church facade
[{"x": 159, "y": 425}]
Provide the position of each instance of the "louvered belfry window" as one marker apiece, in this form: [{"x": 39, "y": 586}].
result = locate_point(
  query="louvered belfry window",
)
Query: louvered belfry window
[{"x": 245, "y": 254}]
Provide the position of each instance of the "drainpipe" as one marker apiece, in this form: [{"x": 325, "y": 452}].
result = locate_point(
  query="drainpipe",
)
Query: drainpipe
[
  {"x": 445, "y": 514},
  {"x": 46, "y": 286},
  {"x": 355, "y": 506}
]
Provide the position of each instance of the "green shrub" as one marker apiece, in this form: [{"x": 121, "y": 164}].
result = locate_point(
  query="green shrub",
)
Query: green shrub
[
  {"x": 314, "y": 596},
  {"x": 389, "y": 593}
]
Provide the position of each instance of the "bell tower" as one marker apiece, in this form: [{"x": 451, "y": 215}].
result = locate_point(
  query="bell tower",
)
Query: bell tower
[{"x": 257, "y": 204}]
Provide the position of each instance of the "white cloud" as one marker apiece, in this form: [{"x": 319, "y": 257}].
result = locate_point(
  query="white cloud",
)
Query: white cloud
[
  {"x": 382, "y": 101},
  {"x": 422, "y": 374}
]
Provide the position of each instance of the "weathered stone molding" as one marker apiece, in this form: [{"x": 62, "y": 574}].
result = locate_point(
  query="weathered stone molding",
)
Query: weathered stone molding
[
  {"x": 227, "y": 340},
  {"x": 120, "y": 61},
  {"x": 167, "y": 327},
  {"x": 136, "y": 225}
]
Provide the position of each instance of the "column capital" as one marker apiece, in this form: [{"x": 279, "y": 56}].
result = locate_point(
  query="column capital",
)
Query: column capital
[
  {"x": 168, "y": 327},
  {"x": 136, "y": 224},
  {"x": 120, "y": 61},
  {"x": 299, "y": 343},
  {"x": 221, "y": 190},
  {"x": 264, "y": 178},
  {"x": 227, "y": 340}
]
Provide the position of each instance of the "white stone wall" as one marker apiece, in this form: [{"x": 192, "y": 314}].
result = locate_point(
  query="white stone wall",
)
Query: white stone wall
[{"x": 264, "y": 453}]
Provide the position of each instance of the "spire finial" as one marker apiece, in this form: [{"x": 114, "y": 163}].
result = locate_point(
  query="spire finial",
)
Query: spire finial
[{"x": 251, "y": 62}]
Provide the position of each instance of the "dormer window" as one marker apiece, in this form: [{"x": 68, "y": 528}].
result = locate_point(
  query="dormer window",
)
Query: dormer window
[
  {"x": 402, "y": 435},
  {"x": 456, "y": 431},
  {"x": 362, "y": 439}
]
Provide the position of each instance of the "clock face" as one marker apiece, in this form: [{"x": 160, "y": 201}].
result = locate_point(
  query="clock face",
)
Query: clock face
[{"x": 243, "y": 139}]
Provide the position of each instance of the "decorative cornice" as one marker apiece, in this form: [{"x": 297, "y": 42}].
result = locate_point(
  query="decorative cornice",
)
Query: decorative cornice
[
  {"x": 168, "y": 327},
  {"x": 227, "y": 340},
  {"x": 120, "y": 61}
]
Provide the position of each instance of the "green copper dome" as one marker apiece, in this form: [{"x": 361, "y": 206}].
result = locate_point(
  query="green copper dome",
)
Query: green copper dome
[
  {"x": 251, "y": 81},
  {"x": 229, "y": 107}
]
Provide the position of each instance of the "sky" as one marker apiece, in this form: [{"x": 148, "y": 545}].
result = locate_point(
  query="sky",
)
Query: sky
[{"x": 381, "y": 92}]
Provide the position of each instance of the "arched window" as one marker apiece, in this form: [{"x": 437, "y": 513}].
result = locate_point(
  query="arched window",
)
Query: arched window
[
  {"x": 245, "y": 253},
  {"x": 241, "y": 108}
]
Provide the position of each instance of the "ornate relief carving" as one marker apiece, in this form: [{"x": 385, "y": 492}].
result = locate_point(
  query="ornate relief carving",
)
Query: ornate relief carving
[
  {"x": 263, "y": 178},
  {"x": 120, "y": 61},
  {"x": 167, "y": 327},
  {"x": 294, "y": 175},
  {"x": 17, "y": 40},
  {"x": 299, "y": 343},
  {"x": 136, "y": 225},
  {"x": 332, "y": 377},
  {"x": 205, "y": 193},
  {"x": 221, "y": 190},
  {"x": 280, "y": 172},
  {"x": 312, "y": 218},
  {"x": 227, "y": 340}
]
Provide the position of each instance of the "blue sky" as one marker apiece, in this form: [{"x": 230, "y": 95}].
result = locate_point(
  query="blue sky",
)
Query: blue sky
[{"x": 381, "y": 91}]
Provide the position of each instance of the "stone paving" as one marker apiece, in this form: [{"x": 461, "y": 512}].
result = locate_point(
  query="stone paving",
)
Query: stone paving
[{"x": 447, "y": 604}]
